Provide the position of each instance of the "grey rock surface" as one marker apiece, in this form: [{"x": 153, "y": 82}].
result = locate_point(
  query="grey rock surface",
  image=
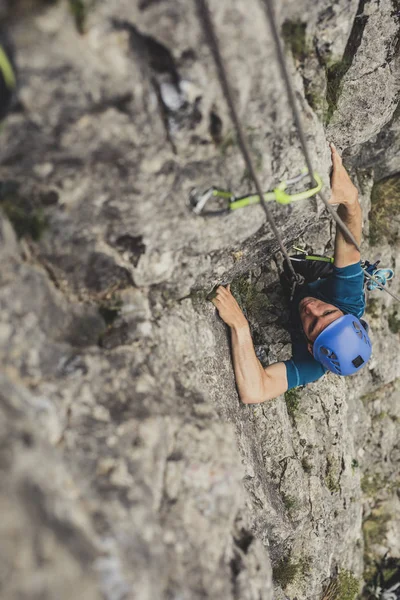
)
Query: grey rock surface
[{"x": 131, "y": 470}]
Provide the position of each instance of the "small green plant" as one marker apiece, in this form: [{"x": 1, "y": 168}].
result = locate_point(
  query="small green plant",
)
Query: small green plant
[
  {"x": 248, "y": 297},
  {"x": 26, "y": 218},
  {"x": 354, "y": 464},
  {"x": 285, "y": 572},
  {"x": 294, "y": 37},
  {"x": 26, "y": 222},
  {"x": 348, "y": 586},
  {"x": 292, "y": 402}
]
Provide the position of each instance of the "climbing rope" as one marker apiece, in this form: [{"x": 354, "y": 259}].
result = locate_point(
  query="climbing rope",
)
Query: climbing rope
[
  {"x": 292, "y": 101},
  {"x": 208, "y": 28}
]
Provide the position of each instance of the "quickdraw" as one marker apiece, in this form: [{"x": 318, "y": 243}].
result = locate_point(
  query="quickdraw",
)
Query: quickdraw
[
  {"x": 198, "y": 201},
  {"x": 381, "y": 275}
]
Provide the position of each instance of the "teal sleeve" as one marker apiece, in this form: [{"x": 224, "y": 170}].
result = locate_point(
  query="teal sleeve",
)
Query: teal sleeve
[
  {"x": 345, "y": 289},
  {"x": 302, "y": 368}
]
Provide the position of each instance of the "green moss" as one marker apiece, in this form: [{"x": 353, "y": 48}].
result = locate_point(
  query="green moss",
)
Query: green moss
[
  {"x": 369, "y": 397},
  {"x": 27, "y": 221},
  {"x": 290, "y": 502},
  {"x": 380, "y": 416},
  {"x": 285, "y": 572},
  {"x": 334, "y": 75},
  {"x": 294, "y": 37},
  {"x": 372, "y": 485},
  {"x": 79, "y": 11},
  {"x": 348, "y": 586},
  {"x": 292, "y": 402},
  {"x": 317, "y": 101},
  {"x": 354, "y": 464},
  {"x": 305, "y": 463},
  {"x": 394, "y": 321},
  {"x": 249, "y": 298},
  {"x": 384, "y": 206},
  {"x": 332, "y": 474}
]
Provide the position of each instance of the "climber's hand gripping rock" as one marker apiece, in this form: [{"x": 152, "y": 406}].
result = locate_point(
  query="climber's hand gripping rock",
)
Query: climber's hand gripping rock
[{"x": 228, "y": 308}]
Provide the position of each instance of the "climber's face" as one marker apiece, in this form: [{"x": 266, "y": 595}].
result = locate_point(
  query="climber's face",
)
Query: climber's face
[{"x": 315, "y": 315}]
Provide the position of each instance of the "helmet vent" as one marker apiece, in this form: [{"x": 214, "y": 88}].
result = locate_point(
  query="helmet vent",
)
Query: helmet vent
[
  {"x": 358, "y": 329},
  {"x": 332, "y": 358}
]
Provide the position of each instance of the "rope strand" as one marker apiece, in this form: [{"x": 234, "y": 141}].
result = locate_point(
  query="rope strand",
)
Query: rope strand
[
  {"x": 208, "y": 28},
  {"x": 292, "y": 101}
]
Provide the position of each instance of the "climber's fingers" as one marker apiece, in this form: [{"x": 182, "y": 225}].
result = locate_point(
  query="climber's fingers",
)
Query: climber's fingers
[
  {"x": 336, "y": 158},
  {"x": 223, "y": 292}
]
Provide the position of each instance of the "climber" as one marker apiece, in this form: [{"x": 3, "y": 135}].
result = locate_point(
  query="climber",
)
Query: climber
[{"x": 327, "y": 333}]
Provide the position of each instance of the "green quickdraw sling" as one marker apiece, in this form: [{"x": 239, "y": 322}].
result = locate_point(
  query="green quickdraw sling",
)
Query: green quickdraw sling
[{"x": 198, "y": 201}]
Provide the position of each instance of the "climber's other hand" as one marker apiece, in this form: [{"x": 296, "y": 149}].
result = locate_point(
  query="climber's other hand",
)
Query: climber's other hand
[
  {"x": 343, "y": 190},
  {"x": 228, "y": 309}
]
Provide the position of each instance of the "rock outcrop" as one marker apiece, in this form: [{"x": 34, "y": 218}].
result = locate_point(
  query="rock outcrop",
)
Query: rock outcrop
[{"x": 131, "y": 471}]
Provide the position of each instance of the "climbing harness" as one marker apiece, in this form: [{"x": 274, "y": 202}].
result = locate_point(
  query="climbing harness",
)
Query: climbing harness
[
  {"x": 231, "y": 202},
  {"x": 374, "y": 278}
]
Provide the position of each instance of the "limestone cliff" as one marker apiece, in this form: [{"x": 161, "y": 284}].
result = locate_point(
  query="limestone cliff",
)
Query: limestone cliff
[{"x": 130, "y": 469}]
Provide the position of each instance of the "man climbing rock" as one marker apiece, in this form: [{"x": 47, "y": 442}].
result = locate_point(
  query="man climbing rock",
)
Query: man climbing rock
[{"x": 325, "y": 313}]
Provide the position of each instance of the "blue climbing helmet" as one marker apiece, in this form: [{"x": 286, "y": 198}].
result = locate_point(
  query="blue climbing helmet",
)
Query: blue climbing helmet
[{"x": 344, "y": 346}]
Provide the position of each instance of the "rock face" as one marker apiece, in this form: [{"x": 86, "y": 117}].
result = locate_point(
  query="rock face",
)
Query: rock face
[{"x": 131, "y": 470}]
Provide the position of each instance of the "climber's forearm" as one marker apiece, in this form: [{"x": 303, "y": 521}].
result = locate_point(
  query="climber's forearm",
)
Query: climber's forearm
[
  {"x": 345, "y": 251},
  {"x": 255, "y": 384}
]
